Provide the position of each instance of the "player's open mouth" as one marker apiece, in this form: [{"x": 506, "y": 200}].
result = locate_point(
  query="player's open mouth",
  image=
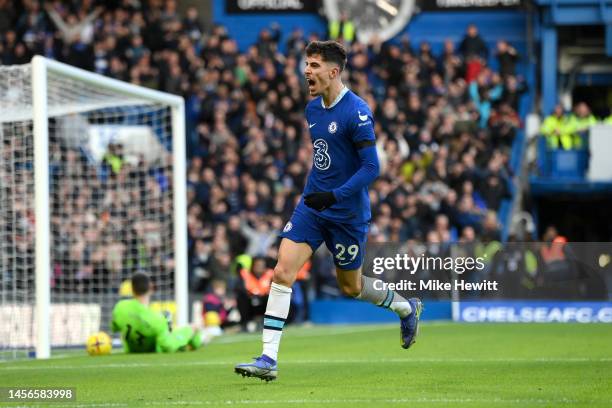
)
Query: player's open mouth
[{"x": 311, "y": 82}]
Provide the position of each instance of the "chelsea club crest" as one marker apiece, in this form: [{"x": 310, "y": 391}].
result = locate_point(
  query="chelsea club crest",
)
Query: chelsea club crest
[{"x": 332, "y": 127}]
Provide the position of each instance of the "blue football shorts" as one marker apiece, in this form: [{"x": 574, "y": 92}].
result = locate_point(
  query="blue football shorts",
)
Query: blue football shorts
[{"x": 346, "y": 242}]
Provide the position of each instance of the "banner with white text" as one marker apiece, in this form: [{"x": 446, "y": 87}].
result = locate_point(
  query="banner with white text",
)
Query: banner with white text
[{"x": 445, "y": 5}]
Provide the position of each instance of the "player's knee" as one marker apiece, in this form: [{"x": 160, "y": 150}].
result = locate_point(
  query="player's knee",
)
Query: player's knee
[{"x": 282, "y": 275}]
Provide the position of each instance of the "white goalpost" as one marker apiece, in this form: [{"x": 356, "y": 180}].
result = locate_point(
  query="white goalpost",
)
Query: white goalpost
[{"x": 92, "y": 189}]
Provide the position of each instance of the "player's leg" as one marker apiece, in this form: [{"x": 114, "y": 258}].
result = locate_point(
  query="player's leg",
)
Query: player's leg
[
  {"x": 291, "y": 257},
  {"x": 353, "y": 283},
  {"x": 347, "y": 244},
  {"x": 300, "y": 236},
  {"x": 179, "y": 339}
]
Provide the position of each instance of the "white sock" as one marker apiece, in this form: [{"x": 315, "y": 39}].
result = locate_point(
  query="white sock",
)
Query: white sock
[
  {"x": 388, "y": 299},
  {"x": 277, "y": 310},
  {"x": 400, "y": 305}
]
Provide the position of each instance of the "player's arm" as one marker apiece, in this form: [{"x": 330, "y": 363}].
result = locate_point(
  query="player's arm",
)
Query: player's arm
[
  {"x": 166, "y": 341},
  {"x": 367, "y": 173},
  {"x": 364, "y": 142},
  {"x": 114, "y": 325},
  {"x": 117, "y": 327}
]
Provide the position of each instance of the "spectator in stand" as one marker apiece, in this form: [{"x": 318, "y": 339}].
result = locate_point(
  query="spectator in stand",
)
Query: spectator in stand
[
  {"x": 507, "y": 58},
  {"x": 504, "y": 122},
  {"x": 20, "y": 54},
  {"x": 32, "y": 25},
  {"x": 217, "y": 301},
  {"x": 442, "y": 228},
  {"x": 513, "y": 90},
  {"x": 474, "y": 52},
  {"x": 449, "y": 63},
  {"x": 555, "y": 129},
  {"x": 252, "y": 291},
  {"x": 472, "y": 45},
  {"x": 390, "y": 65},
  {"x": 267, "y": 43},
  {"x": 427, "y": 61},
  {"x": 483, "y": 92},
  {"x": 579, "y": 123},
  {"x": 469, "y": 214},
  {"x": 296, "y": 43},
  {"x": 343, "y": 29},
  {"x": 490, "y": 228},
  {"x": 236, "y": 239},
  {"x": 7, "y": 16},
  {"x": 192, "y": 25},
  {"x": 495, "y": 189},
  {"x": 74, "y": 27}
]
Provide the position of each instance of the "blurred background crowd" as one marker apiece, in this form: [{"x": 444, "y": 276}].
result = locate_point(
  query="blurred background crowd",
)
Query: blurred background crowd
[{"x": 445, "y": 124}]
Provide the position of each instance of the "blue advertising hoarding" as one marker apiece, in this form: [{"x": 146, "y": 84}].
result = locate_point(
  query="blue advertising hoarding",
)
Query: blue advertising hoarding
[{"x": 535, "y": 312}]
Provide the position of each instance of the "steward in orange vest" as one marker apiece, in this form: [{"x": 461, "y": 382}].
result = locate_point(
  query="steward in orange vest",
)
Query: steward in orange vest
[
  {"x": 252, "y": 291},
  {"x": 553, "y": 252},
  {"x": 258, "y": 279}
]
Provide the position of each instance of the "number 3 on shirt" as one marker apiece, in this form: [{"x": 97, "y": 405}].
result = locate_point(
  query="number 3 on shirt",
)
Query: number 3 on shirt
[{"x": 321, "y": 158}]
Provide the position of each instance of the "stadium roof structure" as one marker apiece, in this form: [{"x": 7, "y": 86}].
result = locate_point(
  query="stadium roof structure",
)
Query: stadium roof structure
[{"x": 556, "y": 13}]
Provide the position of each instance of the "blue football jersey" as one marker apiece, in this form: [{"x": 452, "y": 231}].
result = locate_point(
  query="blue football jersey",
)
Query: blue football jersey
[{"x": 337, "y": 134}]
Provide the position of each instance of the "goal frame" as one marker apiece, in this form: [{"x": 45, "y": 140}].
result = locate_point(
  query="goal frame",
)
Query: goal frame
[{"x": 41, "y": 66}]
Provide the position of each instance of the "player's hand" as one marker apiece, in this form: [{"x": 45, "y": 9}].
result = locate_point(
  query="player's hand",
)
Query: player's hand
[{"x": 320, "y": 201}]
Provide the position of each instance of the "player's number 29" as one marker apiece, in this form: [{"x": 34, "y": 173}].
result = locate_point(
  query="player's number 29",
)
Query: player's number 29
[{"x": 351, "y": 250}]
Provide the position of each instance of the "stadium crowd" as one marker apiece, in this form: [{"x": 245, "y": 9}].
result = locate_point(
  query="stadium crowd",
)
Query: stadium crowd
[{"x": 444, "y": 125}]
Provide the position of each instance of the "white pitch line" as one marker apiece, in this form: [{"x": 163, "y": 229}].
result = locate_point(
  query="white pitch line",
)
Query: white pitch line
[
  {"x": 322, "y": 361},
  {"x": 370, "y": 401}
]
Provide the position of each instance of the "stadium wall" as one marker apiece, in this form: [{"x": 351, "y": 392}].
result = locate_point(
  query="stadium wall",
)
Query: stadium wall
[
  {"x": 245, "y": 28},
  {"x": 434, "y": 27}
]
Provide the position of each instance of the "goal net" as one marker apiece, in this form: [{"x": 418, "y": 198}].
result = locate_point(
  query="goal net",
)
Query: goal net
[{"x": 91, "y": 177}]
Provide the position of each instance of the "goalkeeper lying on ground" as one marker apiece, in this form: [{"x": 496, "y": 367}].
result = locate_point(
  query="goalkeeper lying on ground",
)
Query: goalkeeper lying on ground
[{"x": 144, "y": 330}]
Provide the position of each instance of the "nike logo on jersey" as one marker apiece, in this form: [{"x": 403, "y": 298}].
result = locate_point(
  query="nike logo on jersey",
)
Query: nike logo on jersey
[
  {"x": 311, "y": 125},
  {"x": 362, "y": 117}
]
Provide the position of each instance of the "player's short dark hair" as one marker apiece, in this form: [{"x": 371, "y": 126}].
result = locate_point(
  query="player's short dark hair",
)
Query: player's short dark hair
[
  {"x": 330, "y": 51},
  {"x": 141, "y": 282}
]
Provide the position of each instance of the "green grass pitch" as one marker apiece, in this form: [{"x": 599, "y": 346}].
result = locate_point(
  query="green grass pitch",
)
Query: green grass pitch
[{"x": 451, "y": 365}]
